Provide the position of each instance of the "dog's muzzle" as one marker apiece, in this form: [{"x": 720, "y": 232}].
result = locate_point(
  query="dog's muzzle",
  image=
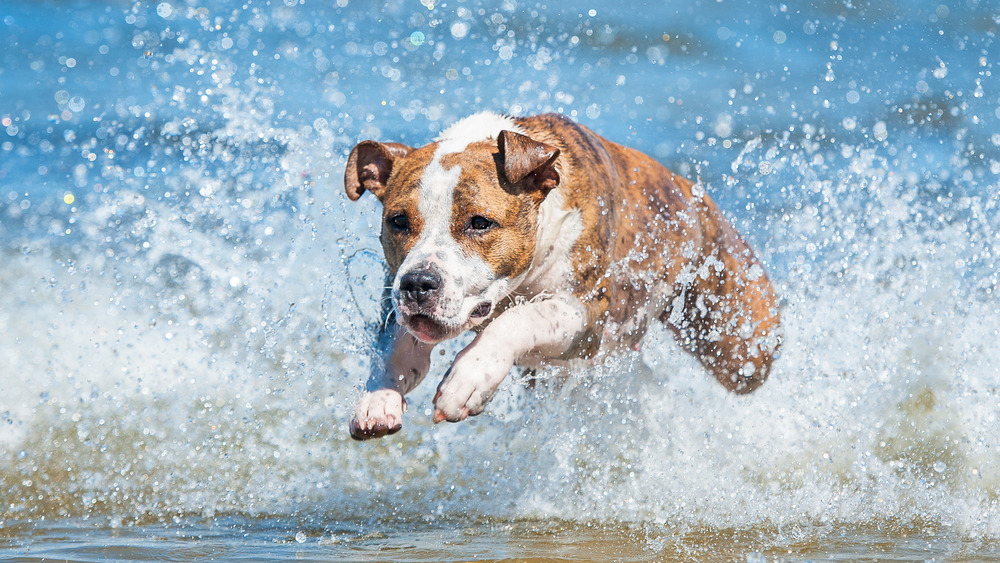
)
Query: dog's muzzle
[
  {"x": 418, "y": 299},
  {"x": 433, "y": 307}
]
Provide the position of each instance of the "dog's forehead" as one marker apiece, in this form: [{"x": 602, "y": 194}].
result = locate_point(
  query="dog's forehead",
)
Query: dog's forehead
[
  {"x": 477, "y": 160},
  {"x": 428, "y": 174},
  {"x": 406, "y": 175},
  {"x": 469, "y": 144}
]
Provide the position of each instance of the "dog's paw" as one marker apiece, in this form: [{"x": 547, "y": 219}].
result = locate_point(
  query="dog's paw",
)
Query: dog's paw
[
  {"x": 377, "y": 414},
  {"x": 466, "y": 388}
]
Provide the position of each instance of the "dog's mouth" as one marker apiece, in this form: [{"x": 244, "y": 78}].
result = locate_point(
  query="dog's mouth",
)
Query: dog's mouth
[
  {"x": 426, "y": 328},
  {"x": 430, "y": 330}
]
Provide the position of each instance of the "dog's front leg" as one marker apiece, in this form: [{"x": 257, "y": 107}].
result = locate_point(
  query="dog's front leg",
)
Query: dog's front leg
[
  {"x": 547, "y": 327},
  {"x": 380, "y": 410}
]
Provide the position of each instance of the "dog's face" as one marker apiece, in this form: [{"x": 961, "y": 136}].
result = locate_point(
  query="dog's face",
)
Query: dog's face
[{"x": 459, "y": 223}]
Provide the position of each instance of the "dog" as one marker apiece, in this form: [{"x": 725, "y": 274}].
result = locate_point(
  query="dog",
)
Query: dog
[{"x": 552, "y": 244}]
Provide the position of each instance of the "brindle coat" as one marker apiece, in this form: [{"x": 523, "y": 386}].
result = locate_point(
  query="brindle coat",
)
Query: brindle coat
[{"x": 648, "y": 244}]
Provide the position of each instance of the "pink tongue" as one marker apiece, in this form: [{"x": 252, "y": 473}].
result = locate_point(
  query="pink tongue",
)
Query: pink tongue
[{"x": 425, "y": 327}]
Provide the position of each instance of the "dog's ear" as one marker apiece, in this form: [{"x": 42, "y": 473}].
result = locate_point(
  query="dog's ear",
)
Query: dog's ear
[
  {"x": 525, "y": 159},
  {"x": 369, "y": 166}
]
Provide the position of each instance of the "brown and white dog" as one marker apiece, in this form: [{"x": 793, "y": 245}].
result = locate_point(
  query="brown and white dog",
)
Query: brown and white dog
[{"x": 552, "y": 244}]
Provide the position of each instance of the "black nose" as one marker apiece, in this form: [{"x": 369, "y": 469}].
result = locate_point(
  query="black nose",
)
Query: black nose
[{"x": 419, "y": 285}]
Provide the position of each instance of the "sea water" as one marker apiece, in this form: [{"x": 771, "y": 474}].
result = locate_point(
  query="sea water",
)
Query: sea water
[{"x": 188, "y": 300}]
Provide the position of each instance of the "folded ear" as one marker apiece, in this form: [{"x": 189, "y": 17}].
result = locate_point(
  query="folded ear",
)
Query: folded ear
[
  {"x": 369, "y": 166},
  {"x": 525, "y": 159}
]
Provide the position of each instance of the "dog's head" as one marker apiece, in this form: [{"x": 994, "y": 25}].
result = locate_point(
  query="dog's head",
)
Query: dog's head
[{"x": 459, "y": 220}]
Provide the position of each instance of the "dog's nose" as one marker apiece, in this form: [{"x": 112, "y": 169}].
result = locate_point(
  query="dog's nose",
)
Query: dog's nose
[{"x": 419, "y": 285}]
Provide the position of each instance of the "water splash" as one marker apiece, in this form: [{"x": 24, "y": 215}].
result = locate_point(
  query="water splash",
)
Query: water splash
[{"x": 184, "y": 337}]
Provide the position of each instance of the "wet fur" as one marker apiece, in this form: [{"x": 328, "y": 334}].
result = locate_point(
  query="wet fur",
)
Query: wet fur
[{"x": 616, "y": 237}]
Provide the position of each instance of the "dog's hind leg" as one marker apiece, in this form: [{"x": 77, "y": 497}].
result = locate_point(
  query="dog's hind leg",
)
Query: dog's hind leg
[{"x": 729, "y": 316}]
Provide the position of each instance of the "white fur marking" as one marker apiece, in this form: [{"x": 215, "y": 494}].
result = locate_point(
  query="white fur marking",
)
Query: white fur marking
[
  {"x": 437, "y": 191},
  {"x": 558, "y": 230},
  {"x": 476, "y": 127},
  {"x": 437, "y": 185}
]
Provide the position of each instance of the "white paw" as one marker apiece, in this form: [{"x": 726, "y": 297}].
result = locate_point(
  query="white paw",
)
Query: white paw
[
  {"x": 378, "y": 413},
  {"x": 467, "y": 387}
]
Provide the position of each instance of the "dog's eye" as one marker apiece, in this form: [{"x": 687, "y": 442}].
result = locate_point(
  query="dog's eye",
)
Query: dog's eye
[
  {"x": 480, "y": 223},
  {"x": 399, "y": 222}
]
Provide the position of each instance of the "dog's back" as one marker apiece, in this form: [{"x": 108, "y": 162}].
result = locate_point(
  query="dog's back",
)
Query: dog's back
[{"x": 654, "y": 245}]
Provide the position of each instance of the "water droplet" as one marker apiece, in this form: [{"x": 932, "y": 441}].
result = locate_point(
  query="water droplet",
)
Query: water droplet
[
  {"x": 940, "y": 467},
  {"x": 880, "y": 131},
  {"x": 941, "y": 71},
  {"x": 830, "y": 76},
  {"x": 164, "y": 10},
  {"x": 459, "y": 30},
  {"x": 300, "y": 537}
]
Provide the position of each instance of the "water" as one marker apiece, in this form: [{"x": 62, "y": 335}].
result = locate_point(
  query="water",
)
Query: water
[{"x": 186, "y": 296}]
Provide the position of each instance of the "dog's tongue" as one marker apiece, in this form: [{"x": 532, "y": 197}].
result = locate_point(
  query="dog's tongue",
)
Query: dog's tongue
[{"x": 426, "y": 329}]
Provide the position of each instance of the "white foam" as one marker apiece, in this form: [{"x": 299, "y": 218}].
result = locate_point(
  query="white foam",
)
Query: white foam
[{"x": 166, "y": 389}]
